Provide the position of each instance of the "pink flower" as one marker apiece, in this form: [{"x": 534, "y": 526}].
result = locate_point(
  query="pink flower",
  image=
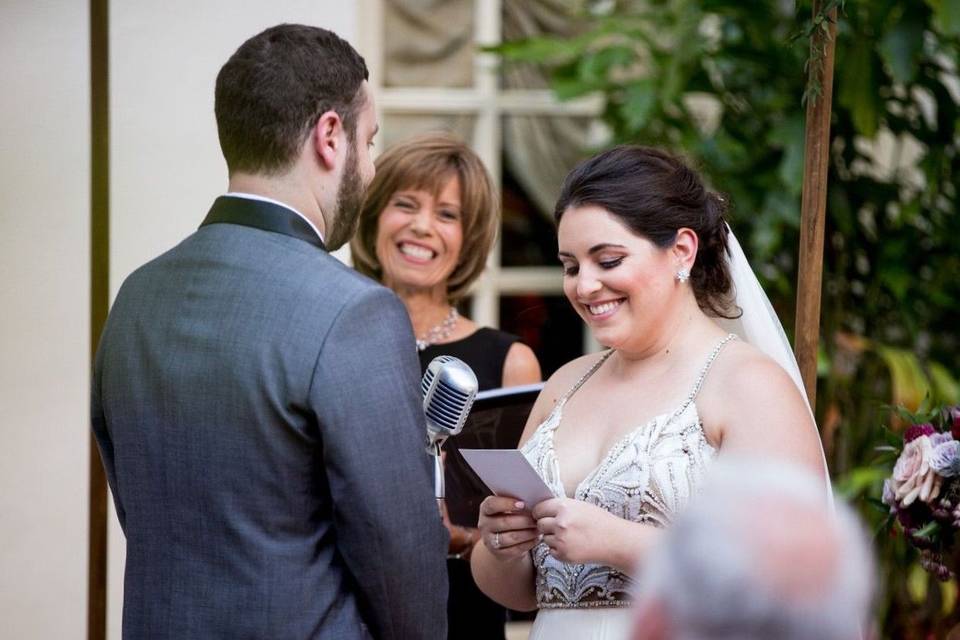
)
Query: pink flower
[
  {"x": 889, "y": 498},
  {"x": 913, "y": 477},
  {"x": 945, "y": 459},
  {"x": 938, "y": 439},
  {"x": 917, "y": 430}
]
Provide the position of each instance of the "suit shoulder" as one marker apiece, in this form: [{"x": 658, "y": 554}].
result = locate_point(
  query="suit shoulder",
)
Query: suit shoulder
[
  {"x": 146, "y": 273},
  {"x": 342, "y": 282},
  {"x": 348, "y": 276}
]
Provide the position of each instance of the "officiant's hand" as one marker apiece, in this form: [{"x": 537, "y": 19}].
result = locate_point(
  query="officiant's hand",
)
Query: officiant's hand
[
  {"x": 575, "y": 531},
  {"x": 462, "y": 539},
  {"x": 507, "y": 531}
]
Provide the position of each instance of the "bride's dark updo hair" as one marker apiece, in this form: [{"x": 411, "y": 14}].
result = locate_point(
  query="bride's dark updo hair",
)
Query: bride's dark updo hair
[{"x": 655, "y": 194}]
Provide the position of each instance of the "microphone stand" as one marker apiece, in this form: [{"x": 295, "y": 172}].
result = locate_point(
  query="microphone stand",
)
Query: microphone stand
[{"x": 439, "y": 486}]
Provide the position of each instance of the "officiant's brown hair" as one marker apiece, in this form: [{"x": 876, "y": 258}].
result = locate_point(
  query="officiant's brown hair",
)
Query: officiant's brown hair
[{"x": 425, "y": 163}]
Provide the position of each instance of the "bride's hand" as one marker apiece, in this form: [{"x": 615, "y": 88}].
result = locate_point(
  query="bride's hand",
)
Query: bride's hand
[
  {"x": 575, "y": 531},
  {"x": 507, "y": 531}
]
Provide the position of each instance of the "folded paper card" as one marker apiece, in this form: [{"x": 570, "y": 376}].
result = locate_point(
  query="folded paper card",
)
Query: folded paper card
[
  {"x": 495, "y": 422},
  {"x": 507, "y": 472}
]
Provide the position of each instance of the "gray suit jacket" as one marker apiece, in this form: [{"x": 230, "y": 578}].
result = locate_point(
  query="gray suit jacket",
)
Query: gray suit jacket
[{"x": 256, "y": 406}]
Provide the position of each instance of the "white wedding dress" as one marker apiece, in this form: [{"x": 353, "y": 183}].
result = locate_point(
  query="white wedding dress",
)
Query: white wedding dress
[{"x": 647, "y": 477}]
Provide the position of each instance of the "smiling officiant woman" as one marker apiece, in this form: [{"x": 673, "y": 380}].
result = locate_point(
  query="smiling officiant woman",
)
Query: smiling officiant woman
[{"x": 427, "y": 224}]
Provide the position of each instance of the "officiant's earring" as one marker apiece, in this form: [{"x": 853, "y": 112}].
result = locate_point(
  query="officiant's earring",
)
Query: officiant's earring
[{"x": 683, "y": 275}]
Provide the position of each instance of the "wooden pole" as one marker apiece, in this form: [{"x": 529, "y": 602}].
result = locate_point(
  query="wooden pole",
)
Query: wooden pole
[
  {"x": 814, "y": 199},
  {"x": 99, "y": 302}
]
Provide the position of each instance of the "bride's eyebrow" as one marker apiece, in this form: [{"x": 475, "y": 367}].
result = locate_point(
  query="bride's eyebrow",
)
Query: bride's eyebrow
[
  {"x": 604, "y": 245},
  {"x": 594, "y": 249}
]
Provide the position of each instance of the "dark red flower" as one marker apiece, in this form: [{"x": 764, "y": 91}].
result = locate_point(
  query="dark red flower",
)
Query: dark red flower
[
  {"x": 953, "y": 420},
  {"x": 908, "y": 519},
  {"x": 917, "y": 430},
  {"x": 914, "y": 517}
]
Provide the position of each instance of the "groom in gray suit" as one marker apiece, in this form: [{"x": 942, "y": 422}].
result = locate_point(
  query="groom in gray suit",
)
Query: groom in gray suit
[{"x": 256, "y": 402}]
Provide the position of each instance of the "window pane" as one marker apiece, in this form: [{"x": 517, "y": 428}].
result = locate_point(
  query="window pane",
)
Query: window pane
[
  {"x": 428, "y": 43},
  {"x": 538, "y": 152},
  {"x": 528, "y": 237},
  {"x": 547, "y": 324},
  {"x": 523, "y": 19},
  {"x": 397, "y": 127}
]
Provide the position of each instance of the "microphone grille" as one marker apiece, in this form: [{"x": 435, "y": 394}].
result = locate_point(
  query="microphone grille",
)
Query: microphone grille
[
  {"x": 449, "y": 407},
  {"x": 449, "y": 387},
  {"x": 431, "y": 373}
]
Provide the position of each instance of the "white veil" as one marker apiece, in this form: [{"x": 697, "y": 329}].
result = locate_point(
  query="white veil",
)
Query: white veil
[{"x": 759, "y": 324}]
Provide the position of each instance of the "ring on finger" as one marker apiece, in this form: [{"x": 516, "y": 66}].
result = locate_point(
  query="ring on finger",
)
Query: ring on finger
[{"x": 496, "y": 540}]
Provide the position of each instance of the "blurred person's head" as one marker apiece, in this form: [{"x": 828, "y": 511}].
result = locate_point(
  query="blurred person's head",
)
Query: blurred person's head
[
  {"x": 641, "y": 239},
  {"x": 292, "y": 105},
  {"x": 429, "y": 219},
  {"x": 760, "y": 554}
]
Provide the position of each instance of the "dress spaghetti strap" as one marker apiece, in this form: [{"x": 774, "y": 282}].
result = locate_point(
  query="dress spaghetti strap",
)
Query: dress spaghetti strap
[
  {"x": 585, "y": 377},
  {"x": 690, "y": 397},
  {"x": 706, "y": 367}
]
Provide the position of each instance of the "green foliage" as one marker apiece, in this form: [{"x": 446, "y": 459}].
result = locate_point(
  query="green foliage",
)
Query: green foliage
[{"x": 723, "y": 81}]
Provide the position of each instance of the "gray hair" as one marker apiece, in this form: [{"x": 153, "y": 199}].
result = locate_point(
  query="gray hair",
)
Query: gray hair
[{"x": 761, "y": 553}]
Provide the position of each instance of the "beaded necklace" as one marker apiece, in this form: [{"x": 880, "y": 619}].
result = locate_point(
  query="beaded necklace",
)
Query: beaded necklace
[{"x": 439, "y": 332}]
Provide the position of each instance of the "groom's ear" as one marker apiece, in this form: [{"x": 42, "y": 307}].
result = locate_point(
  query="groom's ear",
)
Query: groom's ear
[
  {"x": 685, "y": 247},
  {"x": 326, "y": 137}
]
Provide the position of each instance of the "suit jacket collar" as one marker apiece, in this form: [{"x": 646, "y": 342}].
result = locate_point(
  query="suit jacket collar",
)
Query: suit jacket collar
[{"x": 261, "y": 215}]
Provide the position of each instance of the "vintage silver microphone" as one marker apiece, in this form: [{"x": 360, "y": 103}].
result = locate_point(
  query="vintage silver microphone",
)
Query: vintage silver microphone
[{"x": 449, "y": 387}]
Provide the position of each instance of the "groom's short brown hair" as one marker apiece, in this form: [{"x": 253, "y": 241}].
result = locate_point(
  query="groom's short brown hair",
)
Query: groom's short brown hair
[{"x": 275, "y": 87}]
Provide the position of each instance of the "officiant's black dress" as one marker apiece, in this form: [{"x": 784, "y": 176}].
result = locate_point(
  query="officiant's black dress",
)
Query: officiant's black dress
[{"x": 471, "y": 614}]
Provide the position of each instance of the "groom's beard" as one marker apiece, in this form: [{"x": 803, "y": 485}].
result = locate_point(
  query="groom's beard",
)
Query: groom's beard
[{"x": 349, "y": 199}]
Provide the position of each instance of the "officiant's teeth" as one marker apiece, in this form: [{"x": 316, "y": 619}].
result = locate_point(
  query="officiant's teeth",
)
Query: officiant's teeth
[
  {"x": 606, "y": 307},
  {"x": 412, "y": 250}
]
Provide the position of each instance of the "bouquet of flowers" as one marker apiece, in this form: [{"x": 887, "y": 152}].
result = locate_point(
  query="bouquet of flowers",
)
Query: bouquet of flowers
[{"x": 923, "y": 493}]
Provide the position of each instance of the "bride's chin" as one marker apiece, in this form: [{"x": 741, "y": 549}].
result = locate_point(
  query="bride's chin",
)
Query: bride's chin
[{"x": 604, "y": 337}]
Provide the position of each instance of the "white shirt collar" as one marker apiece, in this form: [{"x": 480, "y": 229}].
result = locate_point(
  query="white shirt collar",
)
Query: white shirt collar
[{"x": 253, "y": 196}]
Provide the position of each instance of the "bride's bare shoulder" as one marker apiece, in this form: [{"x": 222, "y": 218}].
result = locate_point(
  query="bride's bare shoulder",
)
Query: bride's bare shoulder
[
  {"x": 744, "y": 372},
  {"x": 742, "y": 363},
  {"x": 752, "y": 405},
  {"x": 564, "y": 378},
  {"x": 554, "y": 388}
]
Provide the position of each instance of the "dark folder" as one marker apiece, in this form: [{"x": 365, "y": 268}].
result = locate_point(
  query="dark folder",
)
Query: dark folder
[{"x": 496, "y": 421}]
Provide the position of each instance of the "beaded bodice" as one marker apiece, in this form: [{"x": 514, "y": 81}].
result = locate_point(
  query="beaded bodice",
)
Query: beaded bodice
[{"x": 646, "y": 477}]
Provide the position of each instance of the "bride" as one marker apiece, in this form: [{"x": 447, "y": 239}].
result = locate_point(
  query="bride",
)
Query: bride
[{"x": 623, "y": 437}]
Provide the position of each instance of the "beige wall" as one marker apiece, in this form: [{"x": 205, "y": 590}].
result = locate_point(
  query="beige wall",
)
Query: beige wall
[
  {"x": 166, "y": 169},
  {"x": 44, "y": 317},
  {"x": 166, "y": 163}
]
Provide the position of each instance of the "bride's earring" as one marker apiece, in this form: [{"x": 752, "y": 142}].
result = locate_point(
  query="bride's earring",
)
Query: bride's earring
[{"x": 683, "y": 275}]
